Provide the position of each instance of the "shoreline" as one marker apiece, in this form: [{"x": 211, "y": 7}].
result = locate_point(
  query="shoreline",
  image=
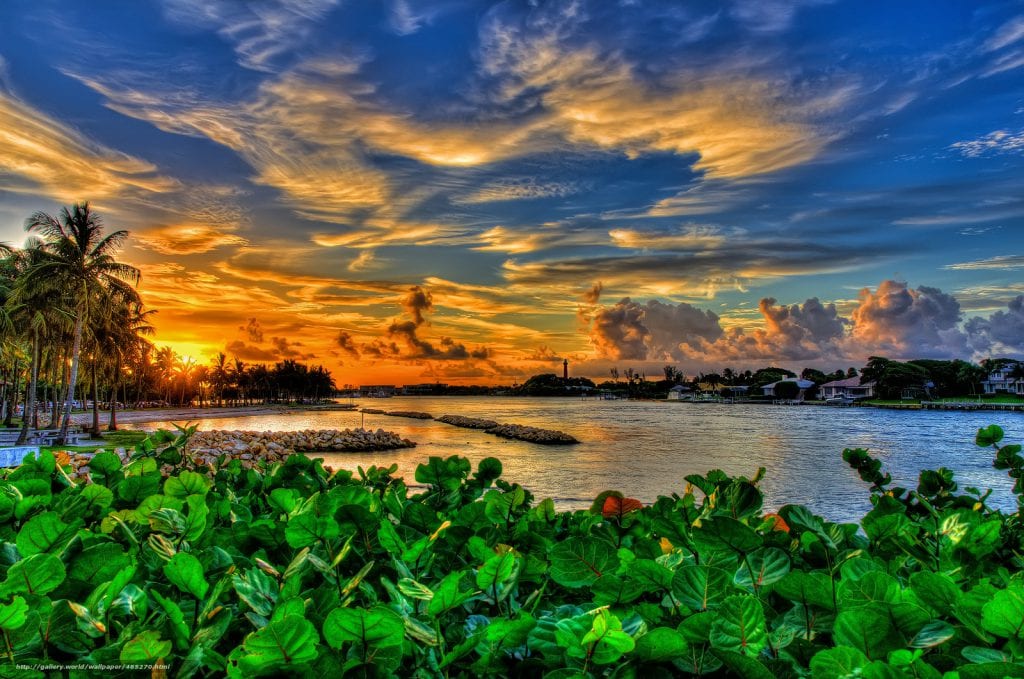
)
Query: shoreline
[{"x": 183, "y": 415}]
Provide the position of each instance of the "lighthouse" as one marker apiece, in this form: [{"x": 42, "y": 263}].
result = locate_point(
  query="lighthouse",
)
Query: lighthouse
[{"x": 565, "y": 369}]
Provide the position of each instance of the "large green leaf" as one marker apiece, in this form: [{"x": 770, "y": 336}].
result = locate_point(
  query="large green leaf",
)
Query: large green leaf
[
  {"x": 739, "y": 626},
  {"x": 578, "y": 562},
  {"x": 837, "y": 663},
  {"x": 186, "y": 483},
  {"x": 497, "y": 576},
  {"x": 1004, "y": 615},
  {"x": 725, "y": 534},
  {"x": 186, "y": 573},
  {"x": 279, "y": 648},
  {"x": 39, "y": 574},
  {"x": 606, "y": 642},
  {"x": 145, "y": 648},
  {"x": 701, "y": 587},
  {"x": 313, "y": 524},
  {"x": 865, "y": 629},
  {"x": 661, "y": 644},
  {"x": 936, "y": 591},
  {"x": 99, "y": 562},
  {"x": 45, "y": 532},
  {"x": 13, "y": 615},
  {"x": 448, "y": 594},
  {"x": 257, "y": 589},
  {"x": 742, "y": 665},
  {"x": 768, "y": 566},
  {"x": 377, "y": 627},
  {"x": 809, "y": 588}
]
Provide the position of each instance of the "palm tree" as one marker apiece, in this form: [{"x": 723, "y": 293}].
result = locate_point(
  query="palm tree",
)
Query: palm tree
[{"x": 77, "y": 259}]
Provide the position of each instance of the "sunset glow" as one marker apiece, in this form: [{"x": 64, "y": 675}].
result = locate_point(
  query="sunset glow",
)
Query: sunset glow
[{"x": 469, "y": 192}]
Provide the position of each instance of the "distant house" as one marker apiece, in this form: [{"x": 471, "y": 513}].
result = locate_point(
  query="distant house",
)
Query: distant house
[
  {"x": 999, "y": 381},
  {"x": 848, "y": 388},
  {"x": 377, "y": 390},
  {"x": 679, "y": 393},
  {"x": 769, "y": 389}
]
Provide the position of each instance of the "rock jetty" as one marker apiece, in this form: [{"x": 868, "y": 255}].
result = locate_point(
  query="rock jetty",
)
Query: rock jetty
[
  {"x": 279, "y": 444},
  {"x": 412, "y": 414},
  {"x": 532, "y": 434},
  {"x": 372, "y": 411},
  {"x": 467, "y": 422},
  {"x": 510, "y": 431}
]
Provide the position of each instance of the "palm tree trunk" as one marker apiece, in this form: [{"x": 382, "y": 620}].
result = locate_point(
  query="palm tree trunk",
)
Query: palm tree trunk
[
  {"x": 75, "y": 349},
  {"x": 14, "y": 397},
  {"x": 95, "y": 401},
  {"x": 30, "y": 398},
  {"x": 112, "y": 425}
]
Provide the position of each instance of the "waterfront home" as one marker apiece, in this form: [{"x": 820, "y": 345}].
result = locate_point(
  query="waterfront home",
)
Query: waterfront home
[
  {"x": 679, "y": 393},
  {"x": 769, "y": 389},
  {"x": 377, "y": 390},
  {"x": 851, "y": 387},
  {"x": 1000, "y": 381}
]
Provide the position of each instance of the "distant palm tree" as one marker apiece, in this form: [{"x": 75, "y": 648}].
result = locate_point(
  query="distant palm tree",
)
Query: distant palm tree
[{"x": 77, "y": 261}]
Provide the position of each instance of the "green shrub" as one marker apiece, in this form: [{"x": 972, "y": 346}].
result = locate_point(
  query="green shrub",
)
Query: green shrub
[{"x": 292, "y": 571}]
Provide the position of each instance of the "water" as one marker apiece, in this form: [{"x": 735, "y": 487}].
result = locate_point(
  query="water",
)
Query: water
[{"x": 645, "y": 448}]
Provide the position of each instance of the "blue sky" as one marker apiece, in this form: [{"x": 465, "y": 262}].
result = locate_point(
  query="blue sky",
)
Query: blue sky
[{"x": 471, "y": 191}]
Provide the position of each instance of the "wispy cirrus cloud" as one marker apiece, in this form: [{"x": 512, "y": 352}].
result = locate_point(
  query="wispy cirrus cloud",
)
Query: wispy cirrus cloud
[
  {"x": 999, "y": 262},
  {"x": 38, "y": 153}
]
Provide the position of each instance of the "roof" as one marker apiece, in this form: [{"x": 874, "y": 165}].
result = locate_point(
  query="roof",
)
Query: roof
[
  {"x": 849, "y": 382},
  {"x": 803, "y": 384}
]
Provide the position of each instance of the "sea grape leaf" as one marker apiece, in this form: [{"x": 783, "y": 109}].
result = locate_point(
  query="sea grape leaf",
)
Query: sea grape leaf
[
  {"x": 723, "y": 533},
  {"x": 769, "y": 565},
  {"x": 700, "y": 587},
  {"x": 988, "y": 436},
  {"x": 661, "y": 644},
  {"x": 377, "y": 627},
  {"x": 45, "y": 532},
  {"x": 175, "y": 618},
  {"x": 498, "y": 574},
  {"x": 38, "y": 574},
  {"x": 280, "y": 647},
  {"x": 447, "y": 595},
  {"x": 578, "y": 562},
  {"x": 198, "y": 512},
  {"x": 415, "y": 589},
  {"x": 186, "y": 483},
  {"x": 995, "y": 670},
  {"x": 606, "y": 642},
  {"x": 611, "y": 589},
  {"x": 98, "y": 563},
  {"x": 742, "y": 665},
  {"x": 145, "y": 648},
  {"x": 837, "y": 663},
  {"x": 187, "y": 574},
  {"x": 739, "y": 626},
  {"x": 444, "y": 474},
  {"x": 936, "y": 591},
  {"x": 257, "y": 589},
  {"x": 389, "y": 538},
  {"x": 977, "y": 654},
  {"x": 873, "y": 586},
  {"x": 615, "y": 507},
  {"x": 866, "y": 629},
  {"x": 934, "y": 633},
  {"x": 510, "y": 633},
  {"x": 812, "y": 588},
  {"x": 314, "y": 523},
  {"x": 1004, "y": 614},
  {"x": 14, "y": 614},
  {"x": 104, "y": 463}
]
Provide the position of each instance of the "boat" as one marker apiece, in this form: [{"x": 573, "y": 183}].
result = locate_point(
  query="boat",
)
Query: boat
[{"x": 839, "y": 401}]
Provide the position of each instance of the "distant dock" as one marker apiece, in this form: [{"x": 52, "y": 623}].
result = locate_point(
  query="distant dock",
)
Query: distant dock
[{"x": 970, "y": 405}]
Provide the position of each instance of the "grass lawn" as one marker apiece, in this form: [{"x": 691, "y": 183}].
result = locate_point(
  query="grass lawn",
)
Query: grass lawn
[{"x": 123, "y": 438}]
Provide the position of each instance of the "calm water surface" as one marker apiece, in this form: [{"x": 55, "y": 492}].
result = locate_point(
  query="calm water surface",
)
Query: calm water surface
[{"x": 644, "y": 449}]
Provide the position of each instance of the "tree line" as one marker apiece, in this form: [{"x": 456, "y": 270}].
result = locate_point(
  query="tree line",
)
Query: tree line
[{"x": 73, "y": 328}]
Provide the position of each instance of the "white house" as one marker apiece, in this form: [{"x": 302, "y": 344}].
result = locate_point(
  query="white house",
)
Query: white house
[
  {"x": 999, "y": 381},
  {"x": 679, "y": 393},
  {"x": 851, "y": 387},
  {"x": 769, "y": 389}
]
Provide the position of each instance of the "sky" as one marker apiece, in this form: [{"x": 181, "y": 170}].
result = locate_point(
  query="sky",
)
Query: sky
[{"x": 472, "y": 192}]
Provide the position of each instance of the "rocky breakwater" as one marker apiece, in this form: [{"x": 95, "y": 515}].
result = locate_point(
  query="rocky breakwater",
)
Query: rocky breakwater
[
  {"x": 532, "y": 434},
  {"x": 274, "y": 446},
  {"x": 412, "y": 414},
  {"x": 467, "y": 422},
  {"x": 519, "y": 432}
]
